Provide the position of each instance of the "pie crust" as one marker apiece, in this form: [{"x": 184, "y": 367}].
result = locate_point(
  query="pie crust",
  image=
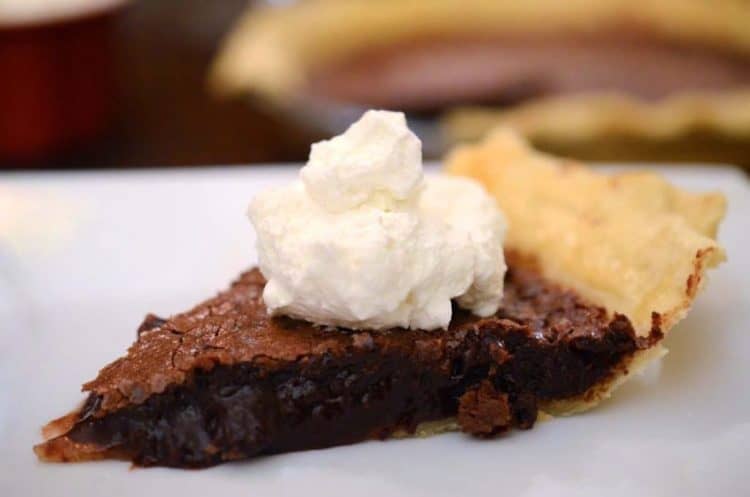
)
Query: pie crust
[{"x": 630, "y": 242}]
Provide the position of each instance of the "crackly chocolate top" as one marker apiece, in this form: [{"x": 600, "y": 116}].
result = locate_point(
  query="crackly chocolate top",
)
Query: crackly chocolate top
[{"x": 234, "y": 327}]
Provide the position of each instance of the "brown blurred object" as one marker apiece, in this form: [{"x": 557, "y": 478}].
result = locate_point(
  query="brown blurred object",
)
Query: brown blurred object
[
  {"x": 56, "y": 89},
  {"x": 163, "y": 114}
]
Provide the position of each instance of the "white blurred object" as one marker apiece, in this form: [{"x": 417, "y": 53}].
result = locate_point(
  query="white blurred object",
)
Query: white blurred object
[{"x": 20, "y": 12}]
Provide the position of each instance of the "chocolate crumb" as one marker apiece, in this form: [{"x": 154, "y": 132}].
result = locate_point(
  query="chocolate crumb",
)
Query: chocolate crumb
[{"x": 483, "y": 411}]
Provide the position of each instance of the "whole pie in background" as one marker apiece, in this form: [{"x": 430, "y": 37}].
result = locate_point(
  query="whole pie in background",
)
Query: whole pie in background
[{"x": 613, "y": 79}]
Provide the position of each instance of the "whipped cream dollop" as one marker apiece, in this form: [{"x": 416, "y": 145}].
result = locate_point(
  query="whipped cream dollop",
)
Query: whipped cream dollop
[{"x": 364, "y": 241}]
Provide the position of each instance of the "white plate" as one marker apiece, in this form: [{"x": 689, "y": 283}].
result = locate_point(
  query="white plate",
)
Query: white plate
[{"x": 84, "y": 256}]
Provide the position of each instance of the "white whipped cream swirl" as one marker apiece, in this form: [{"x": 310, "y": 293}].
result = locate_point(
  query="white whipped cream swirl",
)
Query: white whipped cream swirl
[{"x": 364, "y": 241}]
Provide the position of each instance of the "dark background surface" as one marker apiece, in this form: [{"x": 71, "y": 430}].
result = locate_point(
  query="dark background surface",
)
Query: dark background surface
[
  {"x": 155, "y": 59},
  {"x": 164, "y": 114}
]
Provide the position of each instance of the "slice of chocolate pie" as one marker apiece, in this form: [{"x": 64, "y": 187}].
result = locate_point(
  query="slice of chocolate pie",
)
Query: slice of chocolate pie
[{"x": 600, "y": 268}]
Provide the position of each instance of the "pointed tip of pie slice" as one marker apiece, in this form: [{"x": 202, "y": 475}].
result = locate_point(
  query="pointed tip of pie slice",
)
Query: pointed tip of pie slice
[
  {"x": 63, "y": 449},
  {"x": 58, "y": 447}
]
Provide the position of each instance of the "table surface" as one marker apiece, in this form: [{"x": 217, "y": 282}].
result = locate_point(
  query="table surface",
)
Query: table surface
[{"x": 83, "y": 256}]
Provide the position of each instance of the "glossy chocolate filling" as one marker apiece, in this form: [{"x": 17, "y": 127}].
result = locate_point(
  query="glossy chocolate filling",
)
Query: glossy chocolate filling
[
  {"x": 427, "y": 75},
  {"x": 544, "y": 344}
]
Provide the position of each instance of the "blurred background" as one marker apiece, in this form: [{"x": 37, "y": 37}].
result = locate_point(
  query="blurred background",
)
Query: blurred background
[{"x": 144, "y": 83}]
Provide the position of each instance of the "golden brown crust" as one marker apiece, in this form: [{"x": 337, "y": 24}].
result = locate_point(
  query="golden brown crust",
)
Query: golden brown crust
[
  {"x": 630, "y": 242},
  {"x": 573, "y": 118}
]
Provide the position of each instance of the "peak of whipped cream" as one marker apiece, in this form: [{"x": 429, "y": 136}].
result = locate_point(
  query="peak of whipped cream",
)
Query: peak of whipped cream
[
  {"x": 364, "y": 241},
  {"x": 377, "y": 161}
]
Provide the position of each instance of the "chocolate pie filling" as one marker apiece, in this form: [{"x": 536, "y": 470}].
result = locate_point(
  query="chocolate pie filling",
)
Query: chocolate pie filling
[
  {"x": 430, "y": 74},
  {"x": 224, "y": 381}
]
